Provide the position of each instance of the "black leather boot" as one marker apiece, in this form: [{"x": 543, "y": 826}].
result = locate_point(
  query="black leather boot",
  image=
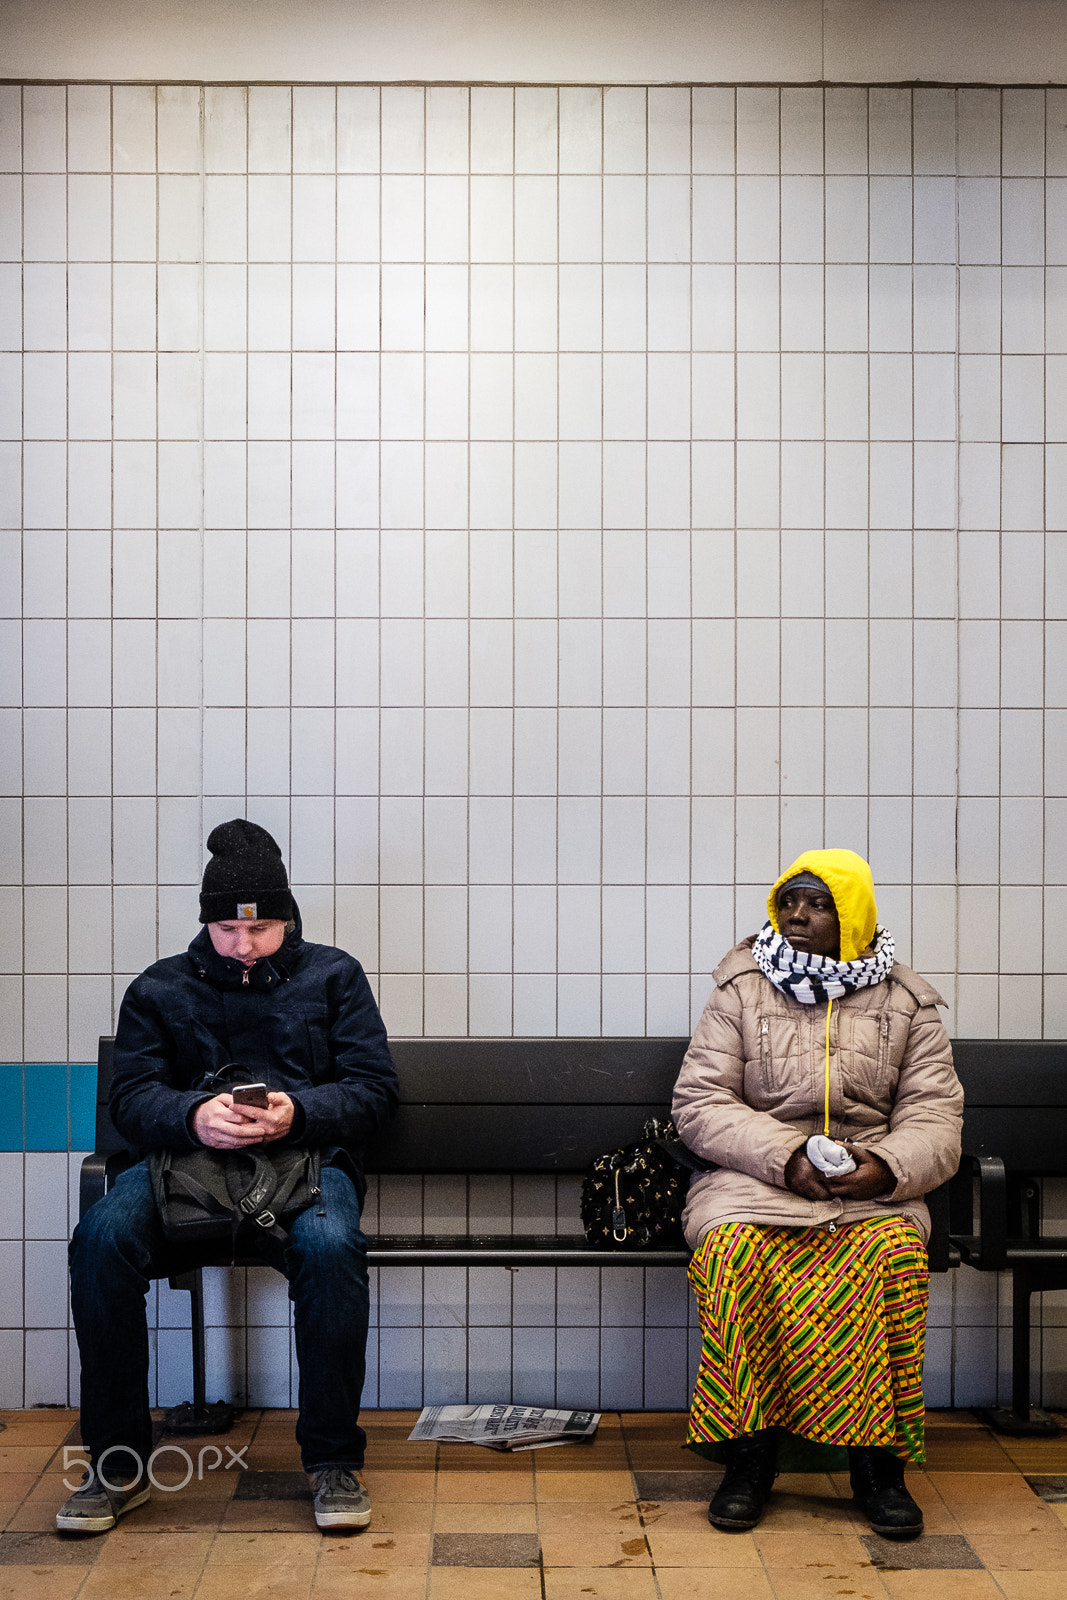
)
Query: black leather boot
[
  {"x": 750, "y": 1472},
  {"x": 877, "y": 1477}
]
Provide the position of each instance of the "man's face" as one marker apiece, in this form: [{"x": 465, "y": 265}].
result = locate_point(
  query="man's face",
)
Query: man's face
[
  {"x": 247, "y": 942},
  {"x": 807, "y": 917}
]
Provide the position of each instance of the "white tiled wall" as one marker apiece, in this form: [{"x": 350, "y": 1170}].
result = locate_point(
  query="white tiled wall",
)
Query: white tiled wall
[{"x": 547, "y": 510}]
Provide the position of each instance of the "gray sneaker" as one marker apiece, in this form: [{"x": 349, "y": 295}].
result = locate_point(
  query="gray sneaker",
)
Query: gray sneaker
[
  {"x": 92, "y": 1508},
  {"x": 341, "y": 1498}
]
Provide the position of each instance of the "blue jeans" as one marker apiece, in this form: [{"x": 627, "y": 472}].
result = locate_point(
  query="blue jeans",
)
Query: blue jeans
[{"x": 119, "y": 1246}]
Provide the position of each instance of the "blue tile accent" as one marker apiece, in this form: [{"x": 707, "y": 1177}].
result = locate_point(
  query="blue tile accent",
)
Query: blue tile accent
[
  {"x": 46, "y": 1105},
  {"x": 83, "y": 1105},
  {"x": 10, "y": 1106}
]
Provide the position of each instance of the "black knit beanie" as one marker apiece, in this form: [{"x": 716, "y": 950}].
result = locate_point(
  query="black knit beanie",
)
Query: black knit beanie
[{"x": 245, "y": 879}]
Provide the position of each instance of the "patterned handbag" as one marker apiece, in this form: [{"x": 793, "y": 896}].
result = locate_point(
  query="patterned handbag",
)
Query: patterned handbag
[{"x": 632, "y": 1199}]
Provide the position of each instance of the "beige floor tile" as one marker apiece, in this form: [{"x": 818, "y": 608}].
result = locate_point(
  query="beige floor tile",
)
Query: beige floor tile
[
  {"x": 387, "y": 1484},
  {"x": 619, "y": 1517},
  {"x": 384, "y": 1583},
  {"x": 479, "y": 1458},
  {"x": 295, "y": 1549},
  {"x": 673, "y": 1513},
  {"x": 127, "y": 1545},
  {"x": 940, "y": 1585},
  {"x": 1012, "y": 1517},
  {"x": 701, "y": 1546},
  {"x": 485, "y": 1583},
  {"x": 402, "y": 1516},
  {"x": 1031, "y": 1585},
  {"x": 584, "y": 1548},
  {"x": 140, "y": 1581},
  {"x": 831, "y": 1580},
  {"x": 811, "y": 1513},
  {"x": 585, "y": 1486},
  {"x": 25, "y": 1458},
  {"x": 801, "y": 1550},
  {"x": 1043, "y": 1552},
  {"x": 409, "y": 1457},
  {"x": 256, "y": 1583},
  {"x": 37, "y": 1512},
  {"x": 975, "y": 1486},
  {"x": 722, "y": 1583},
  {"x": 593, "y": 1457},
  {"x": 484, "y": 1486},
  {"x": 42, "y": 1583},
  {"x": 599, "y": 1583},
  {"x": 479, "y": 1516},
  {"x": 16, "y": 1485},
  {"x": 37, "y": 1427},
  {"x": 374, "y": 1548}
]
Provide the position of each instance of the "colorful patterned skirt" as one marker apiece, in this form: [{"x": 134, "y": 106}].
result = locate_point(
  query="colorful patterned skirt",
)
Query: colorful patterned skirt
[{"x": 815, "y": 1332}]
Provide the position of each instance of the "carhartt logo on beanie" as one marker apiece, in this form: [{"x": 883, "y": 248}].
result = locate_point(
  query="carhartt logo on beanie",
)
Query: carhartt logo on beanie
[{"x": 245, "y": 880}]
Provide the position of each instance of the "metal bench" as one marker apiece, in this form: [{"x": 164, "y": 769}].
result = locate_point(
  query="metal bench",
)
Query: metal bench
[
  {"x": 468, "y": 1106},
  {"x": 1014, "y": 1135}
]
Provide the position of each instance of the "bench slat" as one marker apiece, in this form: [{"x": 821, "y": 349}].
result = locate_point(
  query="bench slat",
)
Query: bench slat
[
  {"x": 510, "y": 1250},
  {"x": 564, "y": 1071},
  {"x": 499, "y": 1138}
]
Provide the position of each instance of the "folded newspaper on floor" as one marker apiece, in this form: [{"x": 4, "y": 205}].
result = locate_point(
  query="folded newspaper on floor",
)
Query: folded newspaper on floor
[{"x": 504, "y": 1427}]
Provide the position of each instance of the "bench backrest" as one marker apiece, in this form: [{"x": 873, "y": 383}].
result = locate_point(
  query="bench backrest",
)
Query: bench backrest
[
  {"x": 552, "y": 1105},
  {"x": 502, "y": 1105},
  {"x": 1016, "y": 1101}
]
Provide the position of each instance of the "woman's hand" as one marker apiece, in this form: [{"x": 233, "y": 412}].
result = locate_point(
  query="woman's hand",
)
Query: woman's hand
[
  {"x": 872, "y": 1176},
  {"x": 804, "y": 1178}
]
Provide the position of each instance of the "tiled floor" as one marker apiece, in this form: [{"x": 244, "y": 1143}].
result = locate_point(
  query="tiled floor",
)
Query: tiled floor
[{"x": 623, "y": 1518}]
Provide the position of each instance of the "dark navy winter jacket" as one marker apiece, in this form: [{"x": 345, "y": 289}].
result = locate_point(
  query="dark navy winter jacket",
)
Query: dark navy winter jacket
[{"x": 305, "y": 1021}]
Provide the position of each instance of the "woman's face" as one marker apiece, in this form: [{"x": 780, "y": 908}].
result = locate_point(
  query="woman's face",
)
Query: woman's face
[{"x": 808, "y": 919}]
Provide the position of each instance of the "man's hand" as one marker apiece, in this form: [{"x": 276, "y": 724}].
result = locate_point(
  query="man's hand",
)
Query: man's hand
[
  {"x": 872, "y": 1177},
  {"x": 804, "y": 1178},
  {"x": 224, "y": 1126}
]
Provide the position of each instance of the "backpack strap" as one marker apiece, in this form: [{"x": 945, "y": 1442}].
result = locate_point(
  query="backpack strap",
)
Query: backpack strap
[{"x": 253, "y": 1193}]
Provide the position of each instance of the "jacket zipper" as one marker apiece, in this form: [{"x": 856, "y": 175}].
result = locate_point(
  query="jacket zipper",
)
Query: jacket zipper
[
  {"x": 883, "y": 1043},
  {"x": 765, "y": 1051}
]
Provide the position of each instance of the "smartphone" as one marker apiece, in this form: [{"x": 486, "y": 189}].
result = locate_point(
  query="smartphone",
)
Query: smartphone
[{"x": 250, "y": 1094}]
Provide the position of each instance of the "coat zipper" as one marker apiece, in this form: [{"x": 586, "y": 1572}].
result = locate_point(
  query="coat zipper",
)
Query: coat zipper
[{"x": 883, "y": 1043}]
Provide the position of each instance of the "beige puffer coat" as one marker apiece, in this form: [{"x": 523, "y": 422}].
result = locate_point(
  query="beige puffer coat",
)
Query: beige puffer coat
[{"x": 751, "y": 1091}]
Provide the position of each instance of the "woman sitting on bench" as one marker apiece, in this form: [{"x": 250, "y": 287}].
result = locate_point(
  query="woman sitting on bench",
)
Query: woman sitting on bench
[{"x": 820, "y": 1083}]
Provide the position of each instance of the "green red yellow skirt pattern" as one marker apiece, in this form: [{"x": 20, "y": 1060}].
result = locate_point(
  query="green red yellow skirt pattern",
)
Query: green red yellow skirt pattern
[{"x": 819, "y": 1333}]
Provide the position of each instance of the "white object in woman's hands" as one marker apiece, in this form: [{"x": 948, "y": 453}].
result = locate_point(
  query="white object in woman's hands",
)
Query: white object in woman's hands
[{"x": 829, "y": 1156}]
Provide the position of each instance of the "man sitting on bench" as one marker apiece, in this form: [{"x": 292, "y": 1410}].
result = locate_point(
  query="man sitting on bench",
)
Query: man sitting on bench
[{"x": 249, "y": 990}]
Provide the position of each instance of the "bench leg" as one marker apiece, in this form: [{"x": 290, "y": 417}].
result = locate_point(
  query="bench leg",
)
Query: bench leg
[
  {"x": 1021, "y": 1419},
  {"x": 197, "y": 1416}
]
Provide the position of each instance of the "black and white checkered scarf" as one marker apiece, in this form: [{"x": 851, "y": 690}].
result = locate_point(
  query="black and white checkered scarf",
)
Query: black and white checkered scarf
[{"x": 812, "y": 979}]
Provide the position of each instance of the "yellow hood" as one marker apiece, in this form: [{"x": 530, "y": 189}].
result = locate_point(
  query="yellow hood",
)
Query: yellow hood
[{"x": 848, "y": 878}]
